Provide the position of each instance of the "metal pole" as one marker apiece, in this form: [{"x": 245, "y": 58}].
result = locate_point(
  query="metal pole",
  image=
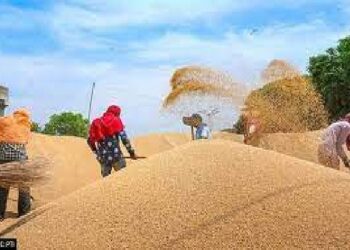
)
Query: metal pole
[{"x": 91, "y": 98}]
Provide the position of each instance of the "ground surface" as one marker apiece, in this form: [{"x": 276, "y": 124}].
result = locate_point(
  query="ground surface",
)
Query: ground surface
[{"x": 204, "y": 194}]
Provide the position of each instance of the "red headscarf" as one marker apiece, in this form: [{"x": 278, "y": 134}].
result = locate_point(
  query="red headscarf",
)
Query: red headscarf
[{"x": 107, "y": 125}]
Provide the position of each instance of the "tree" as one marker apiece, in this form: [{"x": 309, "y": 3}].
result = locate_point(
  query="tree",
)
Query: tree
[
  {"x": 67, "y": 123},
  {"x": 330, "y": 75},
  {"x": 36, "y": 127},
  {"x": 239, "y": 125}
]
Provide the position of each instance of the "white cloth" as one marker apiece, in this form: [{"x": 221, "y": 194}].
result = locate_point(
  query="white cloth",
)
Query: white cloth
[
  {"x": 335, "y": 137},
  {"x": 252, "y": 129},
  {"x": 203, "y": 132}
]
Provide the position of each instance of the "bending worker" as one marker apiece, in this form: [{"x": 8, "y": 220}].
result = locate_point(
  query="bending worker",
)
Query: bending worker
[
  {"x": 104, "y": 136},
  {"x": 333, "y": 140},
  {"x": 252, "y": 128},
  {"x": 14, "y": 135}
]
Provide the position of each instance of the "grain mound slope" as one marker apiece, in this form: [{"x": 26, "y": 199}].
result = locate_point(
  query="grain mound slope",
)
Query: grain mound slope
[
  {"x": 74, "y": 166},
  {"x": 206, "y": 194}
]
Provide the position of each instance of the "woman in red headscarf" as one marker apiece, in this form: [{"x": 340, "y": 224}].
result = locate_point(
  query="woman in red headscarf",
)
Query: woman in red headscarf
[{"x": 104, "y": 135}]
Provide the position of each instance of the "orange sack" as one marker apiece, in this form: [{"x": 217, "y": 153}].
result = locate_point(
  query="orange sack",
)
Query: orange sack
[{"x": 15, "y": 128}]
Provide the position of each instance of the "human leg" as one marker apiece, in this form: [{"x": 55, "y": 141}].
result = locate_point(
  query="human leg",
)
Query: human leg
[
  {"x": 106, "y": 169},
  {"x": 24, "y": 202},
  {"x": 4, "y": 192},
  {"x": 119, "y": 164}
]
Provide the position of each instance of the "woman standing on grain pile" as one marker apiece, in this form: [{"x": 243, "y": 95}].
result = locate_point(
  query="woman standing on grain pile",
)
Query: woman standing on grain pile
[
  {"x": 104, "y": 136},
  {"x": 14, "y": 135},
  {"x": 333, "y": 140}
]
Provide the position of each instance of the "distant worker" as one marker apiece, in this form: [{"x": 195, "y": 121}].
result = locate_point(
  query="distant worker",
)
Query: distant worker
[
  {"x": 104, "y": 136},
  {"x": 196, "y": 121},
  {"x": 333, "y": 140},
  {"x": 252, "y": 128},
  {"x": 202, "y": 129},
  {"x": 14, "y": 136}
]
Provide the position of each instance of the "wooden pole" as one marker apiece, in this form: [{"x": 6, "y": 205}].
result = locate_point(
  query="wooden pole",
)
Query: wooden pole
[{"x": 91, "y": 98}]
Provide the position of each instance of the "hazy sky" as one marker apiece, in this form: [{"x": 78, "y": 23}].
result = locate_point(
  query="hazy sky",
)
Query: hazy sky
[{"x": 51, "y": 51}]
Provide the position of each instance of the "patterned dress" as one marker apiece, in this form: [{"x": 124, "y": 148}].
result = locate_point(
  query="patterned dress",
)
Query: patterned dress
[{"x": 109, "y": 153}]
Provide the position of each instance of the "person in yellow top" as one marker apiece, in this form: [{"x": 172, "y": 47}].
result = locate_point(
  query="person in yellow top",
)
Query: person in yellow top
[{"x": 14, "y": 136}]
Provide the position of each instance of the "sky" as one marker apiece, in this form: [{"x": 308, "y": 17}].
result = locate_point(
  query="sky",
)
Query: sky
[{"x": 52, "y": 51}]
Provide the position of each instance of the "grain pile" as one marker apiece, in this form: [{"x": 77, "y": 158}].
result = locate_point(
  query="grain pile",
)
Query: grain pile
[
  {"x": 207, "y": 194},
  {"x": 288, "y": 105},
  {"x": 299, "y": 145},
  {"x": 151, "y": 144},
  {"x": 74, "y": 166},
  {"x": 278, "y": 70}
]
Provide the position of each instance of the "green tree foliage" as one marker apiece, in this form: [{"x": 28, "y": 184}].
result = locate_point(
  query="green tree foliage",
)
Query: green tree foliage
[
  {"x": 239, "y": 125},
  {"x": 36, "y": 127},
  {"x": 67, "y": 123},
  {"x": 330, "y": 74}
]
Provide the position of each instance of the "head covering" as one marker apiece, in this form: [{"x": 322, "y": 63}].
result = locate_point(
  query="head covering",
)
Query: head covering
[
  {"x": 15, "y": 128},
  {"x": 197, "y": 117},
  {"x": 108, "y": 125},
  {"x": 194, "y": 120},
  {"x": 22, "y": 116},
  {"x": 114, "y": 109},
  {"x": 22, "y": 112}
]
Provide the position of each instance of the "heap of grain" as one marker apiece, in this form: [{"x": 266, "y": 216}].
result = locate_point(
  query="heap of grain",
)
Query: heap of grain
[
  {"x": 226, "y": 196},
  {"x": 289, "y": 104},
  {"x": 278, "y": 70}
]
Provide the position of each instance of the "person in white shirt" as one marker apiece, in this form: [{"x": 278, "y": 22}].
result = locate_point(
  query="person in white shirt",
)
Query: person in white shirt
[
  {"x": 333, "y": 140},
  {"x": 202, "y": 129}
]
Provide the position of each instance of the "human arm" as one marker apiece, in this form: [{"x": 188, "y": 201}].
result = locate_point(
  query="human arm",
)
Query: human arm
[
  {"x": 347, "y": 163},
  {"x": 126, "y": 142},
  {"x": 92, "y": 145},
  {"x": 343, "y": 137}
]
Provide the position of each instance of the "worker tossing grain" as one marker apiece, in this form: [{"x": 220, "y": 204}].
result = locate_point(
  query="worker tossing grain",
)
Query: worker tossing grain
[
  {"x": 104, "y": 135},
  {"x": 202, "y": 129},
  {"x": 14, "y": 135},
  {"x": 252, "y": 127},
  {"x": 333, "y": 140}
]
